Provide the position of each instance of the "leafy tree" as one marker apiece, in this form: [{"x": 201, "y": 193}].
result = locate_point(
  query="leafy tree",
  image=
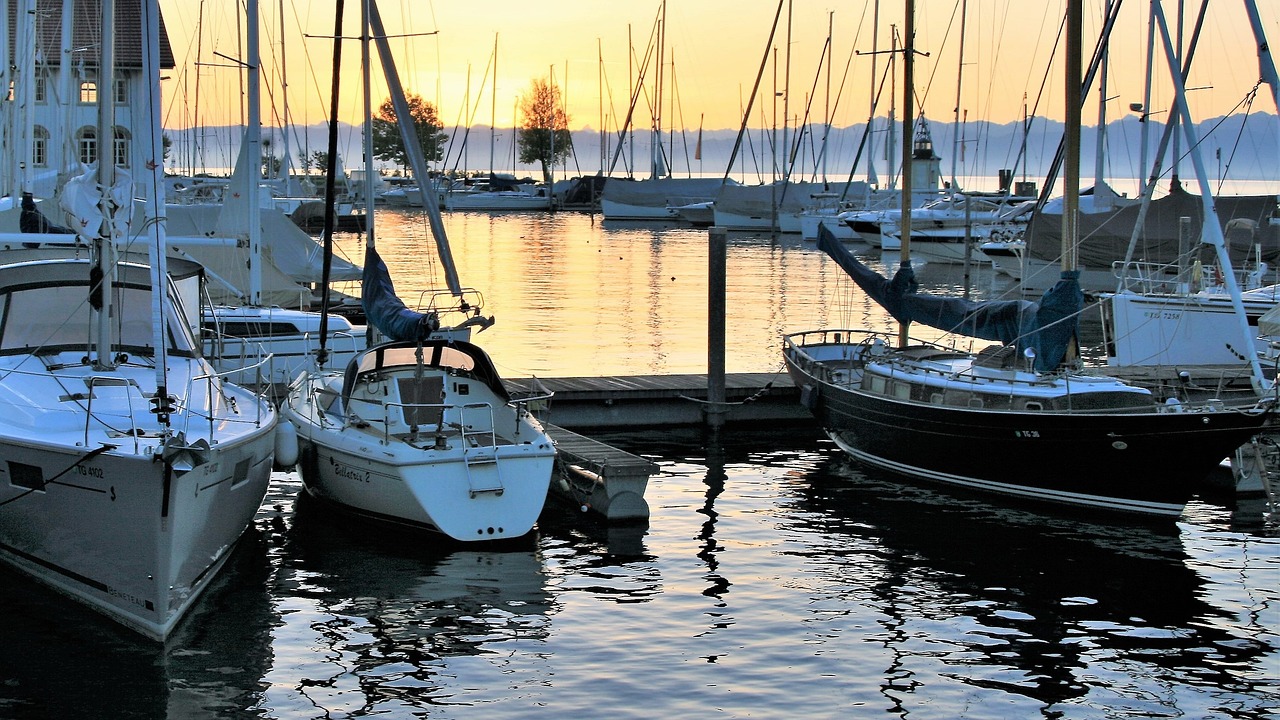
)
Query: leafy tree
[
  {"x": 388, "y": 144},
  {"x": 271, "y": 164},
  {"x": 544, "y": 136},
  {"x": 318, "y": 160},
  {"x": 166, "y": 143}
]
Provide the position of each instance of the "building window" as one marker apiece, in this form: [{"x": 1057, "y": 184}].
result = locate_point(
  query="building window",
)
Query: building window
[
  {"x": 87, "y": 145},
  {"x": 40, "y": 147},
  {"x": 121, "y": 147},
  {"x": 88, "y": 92},
  {"x": 120, "y": 90},
  {"x": 42, "y": 90}
]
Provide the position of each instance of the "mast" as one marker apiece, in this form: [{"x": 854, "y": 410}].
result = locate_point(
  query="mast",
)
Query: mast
[
  {"x": 908, "y": 112},
  {"x": 955, "y": 131},
  {"x": 253, "y": 137},
  {"x": 104, "y": 245},
  {"x": 493, "y": 108},
  {"x": 330, "y": 190},
  {"x": 1071, "y": 159},
  {"x": 155, "y": 207}
]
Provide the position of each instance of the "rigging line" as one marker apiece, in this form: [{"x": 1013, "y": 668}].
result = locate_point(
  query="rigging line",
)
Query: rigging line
[
  {"x": 1248, "y": 102},
  {"x": 746, "y": 116},
  {"x": 46, "y": 483}
]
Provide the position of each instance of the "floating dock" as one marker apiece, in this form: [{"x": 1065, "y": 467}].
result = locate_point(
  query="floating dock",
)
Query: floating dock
[
  {"x": 611, "y": 482},
  {"x": 599, "y": 477}
]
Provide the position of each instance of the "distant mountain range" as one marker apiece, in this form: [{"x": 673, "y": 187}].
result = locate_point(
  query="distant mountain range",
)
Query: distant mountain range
[{"x": 1237, "y": 147}]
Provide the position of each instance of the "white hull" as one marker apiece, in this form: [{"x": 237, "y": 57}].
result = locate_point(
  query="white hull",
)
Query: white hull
[
  {"x": 625, "y": 211},
  {"x": 259, "y": 347},
  {"x": 100, "y": 501},
  {"x": 434, "y": 448},
  {"x": 811, "y": 221},
  {"x": 115, "y": 535},
  {"x": 1184, "y": 330},
  {"x": 491, "y": 201}
]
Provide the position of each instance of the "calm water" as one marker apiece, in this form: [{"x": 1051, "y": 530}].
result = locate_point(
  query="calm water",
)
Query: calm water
[{"x": 774, "y": 579}]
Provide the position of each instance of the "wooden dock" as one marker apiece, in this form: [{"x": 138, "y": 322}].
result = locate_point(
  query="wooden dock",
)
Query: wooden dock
[{"x": 623, "y": 401}]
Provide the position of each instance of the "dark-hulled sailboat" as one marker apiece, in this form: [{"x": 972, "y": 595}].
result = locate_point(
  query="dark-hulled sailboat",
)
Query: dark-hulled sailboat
[{"x": 1014, "y": 419}]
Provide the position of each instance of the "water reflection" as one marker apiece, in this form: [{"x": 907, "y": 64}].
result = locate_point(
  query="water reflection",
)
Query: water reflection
[
  {"x": 1062, "y": 611},
  {"x": 381, "y": 617},
  {"x": 62, "y": 660}
]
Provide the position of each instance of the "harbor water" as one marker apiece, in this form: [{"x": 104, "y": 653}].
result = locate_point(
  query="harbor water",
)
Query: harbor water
[{"x": 774, "y": 578}]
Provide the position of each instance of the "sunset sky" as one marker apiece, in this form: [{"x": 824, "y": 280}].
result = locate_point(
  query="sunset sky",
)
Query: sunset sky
[{"x": 715, "y": 47}]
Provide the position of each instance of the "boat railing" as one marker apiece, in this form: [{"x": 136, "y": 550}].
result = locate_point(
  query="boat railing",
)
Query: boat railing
[
  {"x": 1166, "y": 278},
  {"x": 215, "y": 389},
  {"x": 465, "y": 419},
  {"x": 95, "y": 381}
]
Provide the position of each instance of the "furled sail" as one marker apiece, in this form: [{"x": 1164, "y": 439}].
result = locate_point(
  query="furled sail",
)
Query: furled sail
[
  {"x": 1047, "y": 327},
  {"x": 385, "y": 310}
]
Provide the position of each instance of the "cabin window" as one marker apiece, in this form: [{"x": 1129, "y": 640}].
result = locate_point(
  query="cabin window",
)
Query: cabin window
[
  {"x": 1033, "y": 405},
  {"x": 975, "y": 402},
  {"x": 57, "y": 316},
  {"x": 936, "y": 398},
  {"x": 902, "y": 391},
  {"x": 422, "y": 398},
  {"x": 875, "y": 384}
]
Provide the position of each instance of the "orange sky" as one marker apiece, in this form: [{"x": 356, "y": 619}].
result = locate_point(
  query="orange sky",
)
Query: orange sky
[{"x": 715, "y": 46}]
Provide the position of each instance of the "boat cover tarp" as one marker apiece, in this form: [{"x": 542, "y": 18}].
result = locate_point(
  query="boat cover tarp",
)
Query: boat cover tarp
[
  {"x": 1046, "y": 327},
  {"x": 787, "y": 197},
  {"x": 660, "y": 192},
  {"x": 383, "y": 307},
  {"x": 1104, "y": 236}
]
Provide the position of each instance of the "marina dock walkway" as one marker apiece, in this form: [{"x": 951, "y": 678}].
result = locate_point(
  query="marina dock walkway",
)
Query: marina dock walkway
[{"x": 623, "y": 401}]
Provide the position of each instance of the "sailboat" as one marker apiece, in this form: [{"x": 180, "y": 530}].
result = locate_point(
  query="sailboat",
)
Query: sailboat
[
  {"x": 419, "y": 431},
  {"x": 130, "y": 467},
  {"x": 1013, "y": 419}
]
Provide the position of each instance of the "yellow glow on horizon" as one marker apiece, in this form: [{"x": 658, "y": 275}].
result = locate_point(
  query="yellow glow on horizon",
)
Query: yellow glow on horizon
[{"x": 716, "y": 47}]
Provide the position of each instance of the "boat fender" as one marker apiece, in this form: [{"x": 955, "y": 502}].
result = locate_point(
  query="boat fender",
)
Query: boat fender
[
  {"x": 808, "y": 397},
  {"x": 286, "y": 446}
]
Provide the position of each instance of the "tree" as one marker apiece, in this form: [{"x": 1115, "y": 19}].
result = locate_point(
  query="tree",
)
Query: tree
[
  {"x": 271, "y": 165},
  {"x": 544, "y": 136},
  {"x": 388, "y": 144},
  {"x": 319, "y": 160}
]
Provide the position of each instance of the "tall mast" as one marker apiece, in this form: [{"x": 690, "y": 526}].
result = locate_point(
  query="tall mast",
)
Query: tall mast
[
  {"x": 104, "y": 245},
  {"x": 908, "y": 112},
  {"x": 955, "y": 131},
  {"x": 493, "y": 107}
]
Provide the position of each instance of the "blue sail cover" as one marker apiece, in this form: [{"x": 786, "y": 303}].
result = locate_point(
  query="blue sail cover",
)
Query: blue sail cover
[
  {"x": 1046, "y": 327},
  {"x": 385, "y": 310}
]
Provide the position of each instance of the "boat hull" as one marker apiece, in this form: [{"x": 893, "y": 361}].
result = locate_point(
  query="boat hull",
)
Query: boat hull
[
  {"x": 122, "y": 533},
  {"x": 434, "y": 490},
  {"x": 1141, "y": 462}
]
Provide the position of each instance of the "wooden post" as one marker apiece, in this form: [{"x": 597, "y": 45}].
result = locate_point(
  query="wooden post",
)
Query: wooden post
[{"x": 717, "y": 254}]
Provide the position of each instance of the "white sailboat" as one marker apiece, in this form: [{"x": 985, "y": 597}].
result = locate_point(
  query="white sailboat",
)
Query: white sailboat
[
  {"x": 1180, "y": 314},
  {"x": 419, "y": 431},
  {"x": 131, "y": 468}
]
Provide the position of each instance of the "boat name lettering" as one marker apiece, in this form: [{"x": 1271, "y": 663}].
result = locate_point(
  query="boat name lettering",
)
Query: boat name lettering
[
  {"x": 351, "y": 473},
  {"x": 127, "y": 597},
  {"x": 1162, "y": 315},
  {"x": 93, "y": 472},
  {"x": 1026, "y": 433}
]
